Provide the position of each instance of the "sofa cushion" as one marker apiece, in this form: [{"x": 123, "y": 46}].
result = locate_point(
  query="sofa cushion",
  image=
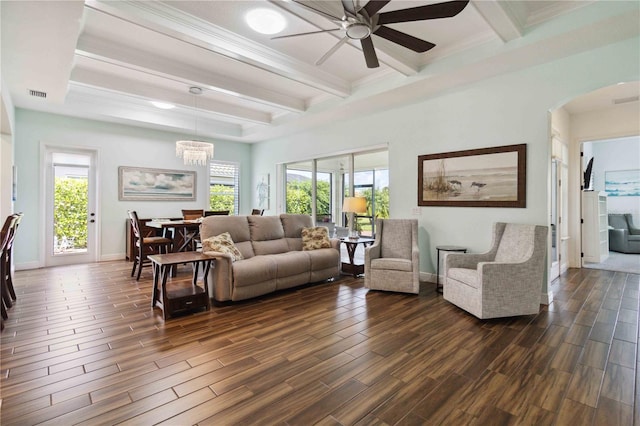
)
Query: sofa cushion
[
  {"x": 253, "y": 271},
  {"x": 236, "y": 226},
  {"x": 222, "y": 244},
  {"x": 293, "y": 224},
  {"x": 267, "y": 235},
  {"x": 314, "y": 238}
]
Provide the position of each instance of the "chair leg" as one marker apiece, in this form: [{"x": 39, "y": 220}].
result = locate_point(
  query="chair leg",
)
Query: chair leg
[
  {"x": 140, "y": 261},
  {"x": 12, "y": 292},
  {"x": 135, "y": 263}
]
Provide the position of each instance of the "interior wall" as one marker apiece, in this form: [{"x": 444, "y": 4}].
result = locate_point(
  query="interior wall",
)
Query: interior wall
[
  {"x": 505, "y": 110},
  {"x": 118, "y": 145},
  {"x": 616, "y": 122},
  {"x": 611, "y": 155}
]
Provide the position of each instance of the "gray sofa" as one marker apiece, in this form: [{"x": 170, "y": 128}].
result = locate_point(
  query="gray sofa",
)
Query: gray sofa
[
  {"x": 624, "y": 237},
  {"x": 273, "y": 256}
]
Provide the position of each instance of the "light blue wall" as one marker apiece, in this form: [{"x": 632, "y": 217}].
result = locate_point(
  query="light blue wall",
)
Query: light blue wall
[
  {"x": 505, "y": 110},
  {"x": 118, "y": 145}
]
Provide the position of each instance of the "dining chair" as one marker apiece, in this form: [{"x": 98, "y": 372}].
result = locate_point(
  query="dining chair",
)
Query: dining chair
[
  {"x": 194, "y": 235},
  {"x": 192, "y": 214},
  {"x": 7, "y": 256},
  {"x": 257, "y": 212},
  {"x": 145, "y": 246},
  {"x": 5, "y": 266},
  {"x": 216, "y": 213}
]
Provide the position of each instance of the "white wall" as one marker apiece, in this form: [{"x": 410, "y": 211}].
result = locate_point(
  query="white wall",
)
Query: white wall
[
  {"x": 505, "y": 110},
  {"x": 617, "y": 154},
  {"x": 118, "y": 145}
]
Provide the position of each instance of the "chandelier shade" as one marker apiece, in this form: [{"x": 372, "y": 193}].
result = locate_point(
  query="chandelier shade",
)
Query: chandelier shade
[{"x": 194, "y": 153}]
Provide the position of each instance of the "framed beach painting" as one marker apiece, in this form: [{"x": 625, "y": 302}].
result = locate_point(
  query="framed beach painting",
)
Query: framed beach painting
[
  {"x": 144, "y": 184},
  {"x": 486, "y": 177},
  {"x": 622, "y": 183}
]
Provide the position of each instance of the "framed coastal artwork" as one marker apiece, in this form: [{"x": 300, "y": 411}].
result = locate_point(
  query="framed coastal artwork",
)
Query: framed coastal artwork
[
  {"x": 485, "y": 177},
  {"x": 622, "y": 183},
  {"x": 144, "y": 184}
]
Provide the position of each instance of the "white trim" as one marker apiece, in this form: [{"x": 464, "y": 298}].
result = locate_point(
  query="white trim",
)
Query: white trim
[{"x": 546, "y": 298}]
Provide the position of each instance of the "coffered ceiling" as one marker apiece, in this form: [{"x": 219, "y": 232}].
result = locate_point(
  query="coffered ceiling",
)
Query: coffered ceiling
[{"x": 107, "y": 60}]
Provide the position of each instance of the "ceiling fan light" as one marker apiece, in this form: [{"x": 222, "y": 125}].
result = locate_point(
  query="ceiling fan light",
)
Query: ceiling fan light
[
  {"x": 358, "y": 31},
  {"x": 265, "y": 21}
]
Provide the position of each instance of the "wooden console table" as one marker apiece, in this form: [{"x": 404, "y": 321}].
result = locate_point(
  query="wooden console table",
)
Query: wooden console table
[{"x": 172, "y": 299}]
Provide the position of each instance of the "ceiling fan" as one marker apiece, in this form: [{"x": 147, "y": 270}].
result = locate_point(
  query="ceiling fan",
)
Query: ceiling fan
[{"x": 360, "y": 22}]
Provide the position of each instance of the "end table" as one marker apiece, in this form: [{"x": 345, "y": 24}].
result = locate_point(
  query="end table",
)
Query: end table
[{"x": 439, "y": 287}]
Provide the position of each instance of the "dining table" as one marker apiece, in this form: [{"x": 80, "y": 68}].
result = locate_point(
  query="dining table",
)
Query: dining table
[{"x": 183, "y": 232}]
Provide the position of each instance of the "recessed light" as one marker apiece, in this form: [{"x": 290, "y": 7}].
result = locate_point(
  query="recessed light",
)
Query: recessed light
[
  {"x": 162, "y": 105},
  {"x": 265, "y": 21}
]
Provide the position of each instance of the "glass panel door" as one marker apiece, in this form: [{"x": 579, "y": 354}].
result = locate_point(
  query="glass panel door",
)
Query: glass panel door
[{"x": 71, "y": 231}]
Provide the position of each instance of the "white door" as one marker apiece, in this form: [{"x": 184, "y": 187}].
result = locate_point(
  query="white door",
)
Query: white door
[
  {"x": 71, "y": 221},
  {"x": 556, "y": 206}
]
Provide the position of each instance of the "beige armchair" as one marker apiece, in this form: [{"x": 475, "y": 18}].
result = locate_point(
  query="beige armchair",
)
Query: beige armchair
[
  {"x": 392, "y": 263},
  {"x": 505, "y": 281}
]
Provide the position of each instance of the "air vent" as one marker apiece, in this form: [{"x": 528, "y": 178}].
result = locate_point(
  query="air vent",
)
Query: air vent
[
  {"x": 37, "y": 93},
  {"x": 626, "y": 100}
]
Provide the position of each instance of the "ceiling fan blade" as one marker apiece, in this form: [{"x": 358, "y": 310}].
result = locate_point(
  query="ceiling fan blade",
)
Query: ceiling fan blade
[
  {"x": 326, "y": 14},
  {"x": 374, "y": 6},
  {"x": 369, "y": 53},
  {"x": 403, "y": 39},
  {"x": 301, "y": 34},
  {"x": 421, "y": 13},
  {"x": 349, "y": 7},
  {"x": 331, "y": 51}
]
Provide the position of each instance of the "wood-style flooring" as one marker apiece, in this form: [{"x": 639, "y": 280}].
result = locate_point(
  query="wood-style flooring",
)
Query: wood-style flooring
[{"x": 83, "y": 346}]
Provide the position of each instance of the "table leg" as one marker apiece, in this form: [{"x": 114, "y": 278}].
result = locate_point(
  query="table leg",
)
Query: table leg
[
  {"x": 156, "y": 281},
  {"x": 438, "y": 287},
  {"x": 351, "y": 250},
  {"x": 205, "y": 281},
  {"x": 164, "y": 272}
]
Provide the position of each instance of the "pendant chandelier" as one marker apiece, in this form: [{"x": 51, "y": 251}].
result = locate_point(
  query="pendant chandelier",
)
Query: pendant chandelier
[{"x": 194, "y": 152}]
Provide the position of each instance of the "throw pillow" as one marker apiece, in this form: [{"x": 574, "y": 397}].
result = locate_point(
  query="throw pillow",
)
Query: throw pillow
[
  {"x": 314, "y": 238},
  {"x": 222, "y": 244}
]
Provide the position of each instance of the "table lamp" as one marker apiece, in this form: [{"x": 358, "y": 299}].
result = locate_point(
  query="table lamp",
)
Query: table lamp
[{"x": 353, "y": 205}]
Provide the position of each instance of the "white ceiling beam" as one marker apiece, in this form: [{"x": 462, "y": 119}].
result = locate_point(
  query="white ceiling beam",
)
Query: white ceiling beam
[
  {"x": 136, "y": 88},
  {"x": 504, "y": 23},
  {"x": 122, "y": 56},
  {"x": 173, "y": 22}
]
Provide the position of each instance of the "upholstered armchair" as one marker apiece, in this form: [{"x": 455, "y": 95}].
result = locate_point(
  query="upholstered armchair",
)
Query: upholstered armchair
[
  {"x": 506, "y": 280},
  {"x": 392, "y": 263},
  {"x": 624, "y": 237}
]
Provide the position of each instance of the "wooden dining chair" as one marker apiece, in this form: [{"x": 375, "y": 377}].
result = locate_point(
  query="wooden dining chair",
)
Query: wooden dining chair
[
  {"x": 194, "y": 235},
  {"x": 7, "y": 256},
  {"x": 192, "y": 214},
  {"x": 6, "y": 238},
  {"x": 216, "y": 213},
  {"x": 257, "y": 212},
  {"x": 145, "y": 246}
]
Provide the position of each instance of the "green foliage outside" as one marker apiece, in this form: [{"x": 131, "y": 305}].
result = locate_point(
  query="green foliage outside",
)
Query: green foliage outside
[
  {"x": 221, "y": 197},
  {"x": 70, "y": 212},
  {"x": 299, "y": 198},
  {"x": 299, "y": 201}
]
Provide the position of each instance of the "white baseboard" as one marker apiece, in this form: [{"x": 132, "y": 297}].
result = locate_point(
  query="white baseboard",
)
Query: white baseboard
[
  {"x": 427, "y": 277},
  {"x": 27, "y": 265},
  {"x": 546, "y": 298},
  {"x": 108, "y": 257}
]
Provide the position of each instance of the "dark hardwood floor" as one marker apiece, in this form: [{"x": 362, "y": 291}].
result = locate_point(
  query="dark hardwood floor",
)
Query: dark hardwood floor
[{"x": 83, "y": 346}]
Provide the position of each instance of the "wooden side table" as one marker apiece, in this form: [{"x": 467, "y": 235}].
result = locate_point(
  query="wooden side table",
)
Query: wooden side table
[
  {"x": 439, "y": 287},
  {"x": 173, "y": 299},
  {"x": 351, "y": 244}
]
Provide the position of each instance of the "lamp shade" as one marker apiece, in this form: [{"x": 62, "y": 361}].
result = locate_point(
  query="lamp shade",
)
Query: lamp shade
[{"x": 354, "y": 205}]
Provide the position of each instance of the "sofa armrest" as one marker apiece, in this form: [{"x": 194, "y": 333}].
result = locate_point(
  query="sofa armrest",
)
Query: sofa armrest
[
  {"x": 618, "y": 240},
  {"x": 465, "y": 260},
  {"x": 221, "y": 276}
]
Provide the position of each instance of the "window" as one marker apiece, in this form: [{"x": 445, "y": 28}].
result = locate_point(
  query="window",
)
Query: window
[{"x": 224, "y": 186}]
